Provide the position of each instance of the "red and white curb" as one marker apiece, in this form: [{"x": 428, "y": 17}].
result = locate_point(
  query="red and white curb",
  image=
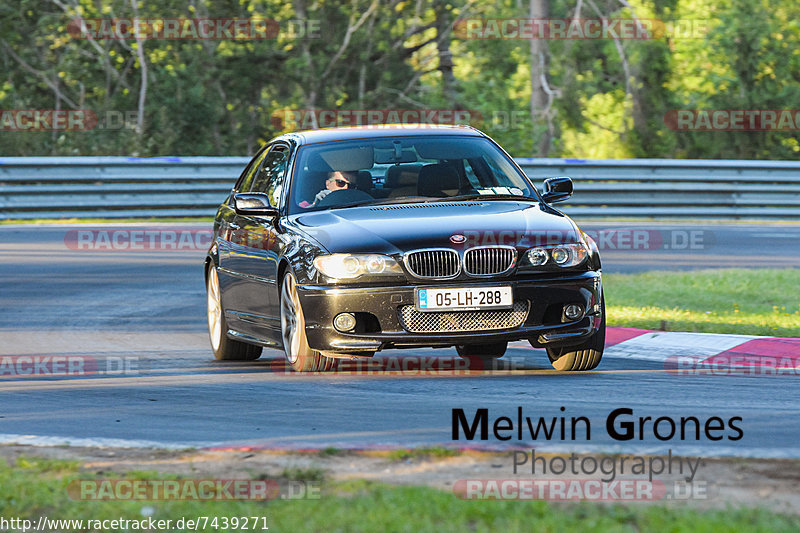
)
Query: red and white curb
[
  {"x": 632, "y": 343},
  {"x": 701, "y": 353}
]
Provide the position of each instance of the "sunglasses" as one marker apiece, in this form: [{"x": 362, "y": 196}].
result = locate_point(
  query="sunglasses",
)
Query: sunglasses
[{"x": 340, "y": 182}]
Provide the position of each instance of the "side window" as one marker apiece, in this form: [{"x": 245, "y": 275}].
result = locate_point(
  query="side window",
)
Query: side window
[
  {"x": 269, "y": 178},
  {"x": 247, "y": 178}
]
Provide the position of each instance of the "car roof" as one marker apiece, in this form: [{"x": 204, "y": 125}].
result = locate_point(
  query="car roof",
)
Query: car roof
[{"x": 379, "y": 131}]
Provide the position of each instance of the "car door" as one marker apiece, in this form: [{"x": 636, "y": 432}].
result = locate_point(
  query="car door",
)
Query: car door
[
  {"x": 256, "y": 257},
  {"x": 229, "y": 242}
]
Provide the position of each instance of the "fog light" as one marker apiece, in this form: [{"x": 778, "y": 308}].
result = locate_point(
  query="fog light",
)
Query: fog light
[
  {"x": 573, "y": 311},
  {"x": 344, "y": 322}
]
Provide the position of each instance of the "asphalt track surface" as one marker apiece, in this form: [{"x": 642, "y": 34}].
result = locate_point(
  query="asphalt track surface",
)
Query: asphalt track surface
[{"x": 148, "y": 308}]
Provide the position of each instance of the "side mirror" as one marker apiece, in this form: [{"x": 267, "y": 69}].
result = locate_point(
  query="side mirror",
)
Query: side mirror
[
  {"x": 253, "y": 204},
  {"x": 557, "y": 189}
]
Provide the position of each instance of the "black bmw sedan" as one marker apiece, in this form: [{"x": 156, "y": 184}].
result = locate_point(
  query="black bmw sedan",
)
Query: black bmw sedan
[{"x": 346, "y": 241}]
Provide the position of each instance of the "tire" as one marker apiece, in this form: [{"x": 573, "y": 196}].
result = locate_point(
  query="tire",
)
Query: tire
[
  {"x": 487, "y": 352},
  {"x": 224, "y": 349},
  {"x": 293, "y": 332},
  {"x": 584, "y": 356}
]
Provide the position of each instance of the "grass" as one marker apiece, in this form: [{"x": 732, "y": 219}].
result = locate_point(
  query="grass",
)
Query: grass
[
  {"x": 436, "y": 452},
  {"x": 303, "y": 474},
  {"x": 330, "y": 451},
  {"x": 34, "y": 488},
  {"x": 743, "y": 301}
]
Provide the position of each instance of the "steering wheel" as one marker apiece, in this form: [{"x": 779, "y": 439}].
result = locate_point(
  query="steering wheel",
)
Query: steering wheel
[{"x": 344, "y": 196}]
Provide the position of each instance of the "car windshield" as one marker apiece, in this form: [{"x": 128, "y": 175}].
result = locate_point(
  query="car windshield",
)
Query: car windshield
[{"x": 402, "y": 169}]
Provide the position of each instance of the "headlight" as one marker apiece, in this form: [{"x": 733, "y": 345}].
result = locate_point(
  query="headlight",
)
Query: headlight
[
  {"x": 563, "y": 255},
  {"x": 350, "y": 266},
  {"x": 537, "y": 256},
  {"x": 560, "y": 255},
  {"x": 590, "y": 242}
]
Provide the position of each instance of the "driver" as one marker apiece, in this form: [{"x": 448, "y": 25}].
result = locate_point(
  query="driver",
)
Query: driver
[{"x": 337, "y": 180}]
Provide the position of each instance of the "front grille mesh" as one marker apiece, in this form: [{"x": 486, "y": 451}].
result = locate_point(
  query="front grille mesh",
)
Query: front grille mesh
[
  {"x": 433, "y": 263},
  {"x": 415, "y": 321},
  {"x": 489, "y": 260}
]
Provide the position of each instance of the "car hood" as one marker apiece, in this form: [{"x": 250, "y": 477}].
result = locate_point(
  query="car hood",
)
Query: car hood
[{"x": 395, "y": 228}]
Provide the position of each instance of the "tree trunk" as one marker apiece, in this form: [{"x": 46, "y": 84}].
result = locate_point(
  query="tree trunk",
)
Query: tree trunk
[
  {"x": 540, "y": 92},
  {"x": 443, "y": 25}
]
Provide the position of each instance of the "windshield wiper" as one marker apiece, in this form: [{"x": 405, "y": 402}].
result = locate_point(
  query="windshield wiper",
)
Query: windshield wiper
[
  {"x": 486, "y": 197},
  {"x": 428, "y": 199},
  {"x": 380, "y": 201}
]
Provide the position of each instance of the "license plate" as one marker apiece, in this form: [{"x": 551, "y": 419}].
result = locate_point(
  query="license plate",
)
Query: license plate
[{"x": 464, "y": 299}]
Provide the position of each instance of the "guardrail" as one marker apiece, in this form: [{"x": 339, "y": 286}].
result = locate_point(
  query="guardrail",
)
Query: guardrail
[{"x": 116, "y": 187}]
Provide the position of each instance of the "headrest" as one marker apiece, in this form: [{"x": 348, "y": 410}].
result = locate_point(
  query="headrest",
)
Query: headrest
[
  {"x": 435, "y": 179},
  {"x": 402, "y": 175},
  {"x": 363, "y": 180}
]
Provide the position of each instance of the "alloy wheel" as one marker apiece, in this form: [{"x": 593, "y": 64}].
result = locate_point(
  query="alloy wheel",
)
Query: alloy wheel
[
  {"x": 291, "y": 318},
  {"x": 214, "y": 309}
]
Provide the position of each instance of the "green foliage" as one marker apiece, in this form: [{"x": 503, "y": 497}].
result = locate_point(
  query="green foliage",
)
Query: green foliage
[
  {"x": 748, "y": 60},
  {"x": 226, "y": 97}
]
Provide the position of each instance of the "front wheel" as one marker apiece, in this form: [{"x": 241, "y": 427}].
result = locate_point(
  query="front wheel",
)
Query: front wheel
[
  {"x": 293, "y": 332},
  {"x": 584, "y": 356},
  {"x": 225, "y": 349}
]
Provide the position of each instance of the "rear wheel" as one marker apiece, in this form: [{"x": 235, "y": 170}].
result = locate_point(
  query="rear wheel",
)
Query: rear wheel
[
  {"x": 584, "y": 356},
  {"x": 225, "y": 349},
  {"x": 293, "y": 332}
]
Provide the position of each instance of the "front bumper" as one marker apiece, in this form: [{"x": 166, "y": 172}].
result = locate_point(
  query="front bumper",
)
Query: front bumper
[{"x": 544, "y": 324}]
